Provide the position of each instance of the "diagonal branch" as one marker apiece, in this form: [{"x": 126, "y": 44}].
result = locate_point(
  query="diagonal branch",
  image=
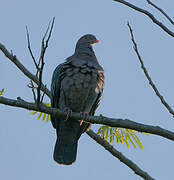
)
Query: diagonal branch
[
  {"x": 161, "y": 25},
  {"x": 29, "y": 47},
  {"x": 147, "y": 75},
  {"x": 120, "y": 123},
  {"x": 119, "y": 155},
  {"x": 23, "y": 69},
  {"x": 159, "y": 9}
]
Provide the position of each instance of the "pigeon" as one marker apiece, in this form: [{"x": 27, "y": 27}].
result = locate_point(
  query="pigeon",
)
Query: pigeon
[{"x": 77, "y": 86}]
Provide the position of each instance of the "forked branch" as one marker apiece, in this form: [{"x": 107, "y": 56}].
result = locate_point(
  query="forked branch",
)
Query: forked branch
[
  {"x": 160, "y": 10},
  {"x": 147, "y": 13}
]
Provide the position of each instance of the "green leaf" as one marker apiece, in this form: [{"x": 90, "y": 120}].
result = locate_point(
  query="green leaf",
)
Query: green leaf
[
  {"x": 40, "y": 114},
  {"x": 45, "y": 116},
  {"x": 33, "y": 112},
  {"x": 2, "y": 92},
  {"x": 138, "y": 142},
  {"x": 43, "y": 119},
  {"x": 48, "y": 118},
  {"x": 130, "y": 140}
]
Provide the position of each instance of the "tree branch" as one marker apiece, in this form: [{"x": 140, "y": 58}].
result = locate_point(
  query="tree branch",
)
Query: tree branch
[
  {"x": 42, "y": 54},
  {"x": 93, "y": 119},
  {"x": 29, "y": 48},
  {"x": 159, "y": 9},
  {"x": 25, "y": 71},
  {"x": 120, "y": 123},
  {"x": 147, "y": 75},
  {"x": 161, "y": 25},
  {"x": 119, "y": 155},
  {"x": 76, "y": 116}
]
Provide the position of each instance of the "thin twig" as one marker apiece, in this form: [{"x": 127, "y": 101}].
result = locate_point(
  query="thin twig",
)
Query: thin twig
[
  {"x": 147, "y": 75},
  {"x": 40, "y": 82},
  {"x": 45, "y": 45},
  {"x": 41, "y": 60},
  {"x": 161, "y": 25},
  {"x": 49, "y": 36},
  {"x": 43, "y": 95},
  {"x": 42, "y": 49},
  {"x": 31, "y": 85},
  {"x": 29, "y": 47},
  {"x": 159, "y": 9},
  {"x": 119, "y": 155}
]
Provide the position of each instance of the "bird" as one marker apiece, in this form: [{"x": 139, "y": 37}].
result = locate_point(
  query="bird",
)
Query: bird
[{"x": 77, "y": 86}]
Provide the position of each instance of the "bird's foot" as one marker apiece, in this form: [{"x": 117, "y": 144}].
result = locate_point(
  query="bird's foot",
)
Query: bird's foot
[
  {"x": 84, "y": 116},
  {"x": 68, "y": 112}
]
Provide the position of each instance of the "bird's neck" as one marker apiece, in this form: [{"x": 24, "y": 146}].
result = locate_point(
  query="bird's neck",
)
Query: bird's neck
[{"x": 84, "y": 49}]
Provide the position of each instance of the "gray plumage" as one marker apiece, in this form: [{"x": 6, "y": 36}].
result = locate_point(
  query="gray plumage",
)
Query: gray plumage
[{"x": 77, "y": 84}]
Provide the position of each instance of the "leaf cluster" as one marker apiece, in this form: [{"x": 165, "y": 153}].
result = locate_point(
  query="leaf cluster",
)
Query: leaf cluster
[
  {"x": 120, "y": 136},
  {"x": 42, "y": 116}
]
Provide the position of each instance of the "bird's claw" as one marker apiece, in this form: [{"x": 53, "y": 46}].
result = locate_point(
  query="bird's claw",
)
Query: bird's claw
[
  {"x": 84, "y": 116},
  {"x": 68, "y": 112}
]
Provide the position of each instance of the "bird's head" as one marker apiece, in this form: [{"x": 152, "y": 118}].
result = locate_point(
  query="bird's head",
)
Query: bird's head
[{"x": 88, "y": 39}]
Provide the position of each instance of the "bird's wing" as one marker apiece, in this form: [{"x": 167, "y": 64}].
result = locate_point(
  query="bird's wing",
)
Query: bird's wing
[
  {"x": 101, "y": 77},
  {"x": 55, "y": 90},
  {"x": 101, "y": 82},
  {"x": 97, "y": 103}
]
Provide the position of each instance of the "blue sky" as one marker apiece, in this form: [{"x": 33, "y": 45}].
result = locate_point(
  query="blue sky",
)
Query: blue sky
[{"x": 26, "y": 145}]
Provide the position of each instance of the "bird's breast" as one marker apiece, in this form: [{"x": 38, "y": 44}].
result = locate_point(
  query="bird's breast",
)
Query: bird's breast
[{"x": 80, "y": 86}]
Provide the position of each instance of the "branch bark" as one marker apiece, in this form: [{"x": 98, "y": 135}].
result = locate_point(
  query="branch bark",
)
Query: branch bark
[
  {"x": 160, "y": 10},
  {"x": 121, "y": 123},
  {"x": 160, "y": 24},
  {"x": 119, "y": 155}
]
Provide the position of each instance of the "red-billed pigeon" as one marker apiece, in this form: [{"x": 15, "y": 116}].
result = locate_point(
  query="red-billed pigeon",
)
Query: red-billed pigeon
[{"x": 77, "y": 85}]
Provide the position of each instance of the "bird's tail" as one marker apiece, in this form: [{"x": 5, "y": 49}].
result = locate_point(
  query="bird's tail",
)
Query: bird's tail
[
  {"x": 65, "y": 150},
  {"x": 65, "y": 154}
]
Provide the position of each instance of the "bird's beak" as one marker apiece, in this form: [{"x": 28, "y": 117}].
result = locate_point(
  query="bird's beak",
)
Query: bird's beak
[{"x": 97, "y": 41}]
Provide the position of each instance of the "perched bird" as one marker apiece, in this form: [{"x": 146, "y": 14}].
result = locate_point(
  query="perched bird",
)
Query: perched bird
[{"x": 77, "y": 85}]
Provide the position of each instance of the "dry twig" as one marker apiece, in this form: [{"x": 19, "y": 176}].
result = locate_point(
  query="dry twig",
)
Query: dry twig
[
  {"x": 159, "y": 9},
  {"x": 29, "y": 47},
  {"x": 147, "y": 74},
  {"x": 150, "y": 15},
  {"x": 41, "y": 59}
]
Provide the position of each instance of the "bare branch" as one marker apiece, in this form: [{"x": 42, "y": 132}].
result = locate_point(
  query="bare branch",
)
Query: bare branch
[
  {"x": 43, "y": 96},
  {"x": 161, "y": 25},
  {"x": 31, "y": 85},
  {"x": 41, "y": 60},
  {"x": 45, "y": 45},
  {"x": 147, "y": 75},
  {"x": 29, "y": 47},
  {"x": 119, "y": 155},
  {"x": 49, "y": 36},
  {"x": 120, "y": 123},
  {"x": 159, "y": 9},
  {"x": 23, "y": 69},
  {"x": 40, "y": 81},
  {"x": 76, "y": 116}
]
